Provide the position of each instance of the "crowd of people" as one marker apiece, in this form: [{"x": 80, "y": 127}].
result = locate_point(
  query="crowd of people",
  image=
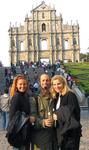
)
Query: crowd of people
[{"x": 53, "y": 110}]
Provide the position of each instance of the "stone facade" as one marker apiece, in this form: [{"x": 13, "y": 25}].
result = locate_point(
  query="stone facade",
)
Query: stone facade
[{"x": 44, "y": 37}]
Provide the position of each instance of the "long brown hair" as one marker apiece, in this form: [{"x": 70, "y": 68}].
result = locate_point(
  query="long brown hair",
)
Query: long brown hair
[{"x": 13, "y": 88}]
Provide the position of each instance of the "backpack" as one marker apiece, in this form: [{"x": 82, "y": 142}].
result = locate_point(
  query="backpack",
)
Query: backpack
[
  {"x": 18, "y": 130},
  {"x": 5, "y": 102}
]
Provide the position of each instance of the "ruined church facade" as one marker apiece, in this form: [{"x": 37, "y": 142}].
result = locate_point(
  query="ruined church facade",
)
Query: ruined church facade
[{"x": 44, "y": 37}]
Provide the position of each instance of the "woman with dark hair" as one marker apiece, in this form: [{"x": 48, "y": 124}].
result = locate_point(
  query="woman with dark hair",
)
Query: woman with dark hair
[{"x": 67, "y": 114}]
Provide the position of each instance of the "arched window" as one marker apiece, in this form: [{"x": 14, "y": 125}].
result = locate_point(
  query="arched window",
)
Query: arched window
[
  {"x": 43, "y": 27},
  {"x": 21, "y": 46},
  {"x": 43, "y": 44},
  {"x": 74, "y": 41},
  {"x": 43, "y": 15},
  {"x": 58, "y": 42},
  {"x": 65, "y": 44},
  {"x": 29, "y": 42},
  {"x": 12, "y": 43}
]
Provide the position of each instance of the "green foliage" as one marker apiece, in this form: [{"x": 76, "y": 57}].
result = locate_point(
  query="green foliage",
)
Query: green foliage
[
  {"x": 85, "y": 57},
  {"x": 80, "y": 72}
]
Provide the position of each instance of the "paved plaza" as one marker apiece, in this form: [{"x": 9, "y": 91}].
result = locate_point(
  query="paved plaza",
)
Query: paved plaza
[{"x": 84, "y": 144}]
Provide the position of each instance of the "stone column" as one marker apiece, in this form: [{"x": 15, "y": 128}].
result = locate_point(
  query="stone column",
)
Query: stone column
[
  {"x": 37, "y": 38},
  {"x": 51, "y": 57},
  {"x": 17, "y": 46},
  {"x": 33, "y": 46},
  {"x": 62, "y": 40}
]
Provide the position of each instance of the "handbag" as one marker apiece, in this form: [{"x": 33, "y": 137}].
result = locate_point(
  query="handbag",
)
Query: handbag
[{"x": 18, "y": 131}]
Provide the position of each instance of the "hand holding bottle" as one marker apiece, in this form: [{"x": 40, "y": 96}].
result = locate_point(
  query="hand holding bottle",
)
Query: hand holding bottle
[
  {"x": 49, "y": 121},
  {"x": 54, "y": 118},
  {"x": 32, "y": 120}
]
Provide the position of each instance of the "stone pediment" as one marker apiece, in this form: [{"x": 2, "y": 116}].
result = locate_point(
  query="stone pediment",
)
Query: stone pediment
[{"x": 41, "y": 7}]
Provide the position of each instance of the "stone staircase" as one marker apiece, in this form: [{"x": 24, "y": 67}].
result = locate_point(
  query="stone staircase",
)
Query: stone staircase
[
  {"x": 81, "y": 97},
  {"x": 38, "y": 71}
]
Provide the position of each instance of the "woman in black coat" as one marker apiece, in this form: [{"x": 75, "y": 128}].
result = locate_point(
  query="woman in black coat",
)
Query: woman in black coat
[
  {"x": 67, "y": 114},
  {"x": 20, "y": 102}
]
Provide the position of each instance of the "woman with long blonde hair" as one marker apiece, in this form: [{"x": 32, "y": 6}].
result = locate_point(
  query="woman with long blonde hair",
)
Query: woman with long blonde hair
[
  {"x": 64, "y": 88},
  {"x": 67, "y": 114}
]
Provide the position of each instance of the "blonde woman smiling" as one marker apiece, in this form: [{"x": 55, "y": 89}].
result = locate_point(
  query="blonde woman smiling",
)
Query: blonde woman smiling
[{"x": 67, "y": 114}]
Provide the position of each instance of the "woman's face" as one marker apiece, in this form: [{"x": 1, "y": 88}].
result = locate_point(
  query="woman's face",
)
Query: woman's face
[
  {"x": 21, "y": 85},
  {"x": 57, "y": 86}
]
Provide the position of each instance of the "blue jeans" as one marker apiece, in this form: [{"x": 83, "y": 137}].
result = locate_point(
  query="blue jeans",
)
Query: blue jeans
[{"x": 5, "y": 119}]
